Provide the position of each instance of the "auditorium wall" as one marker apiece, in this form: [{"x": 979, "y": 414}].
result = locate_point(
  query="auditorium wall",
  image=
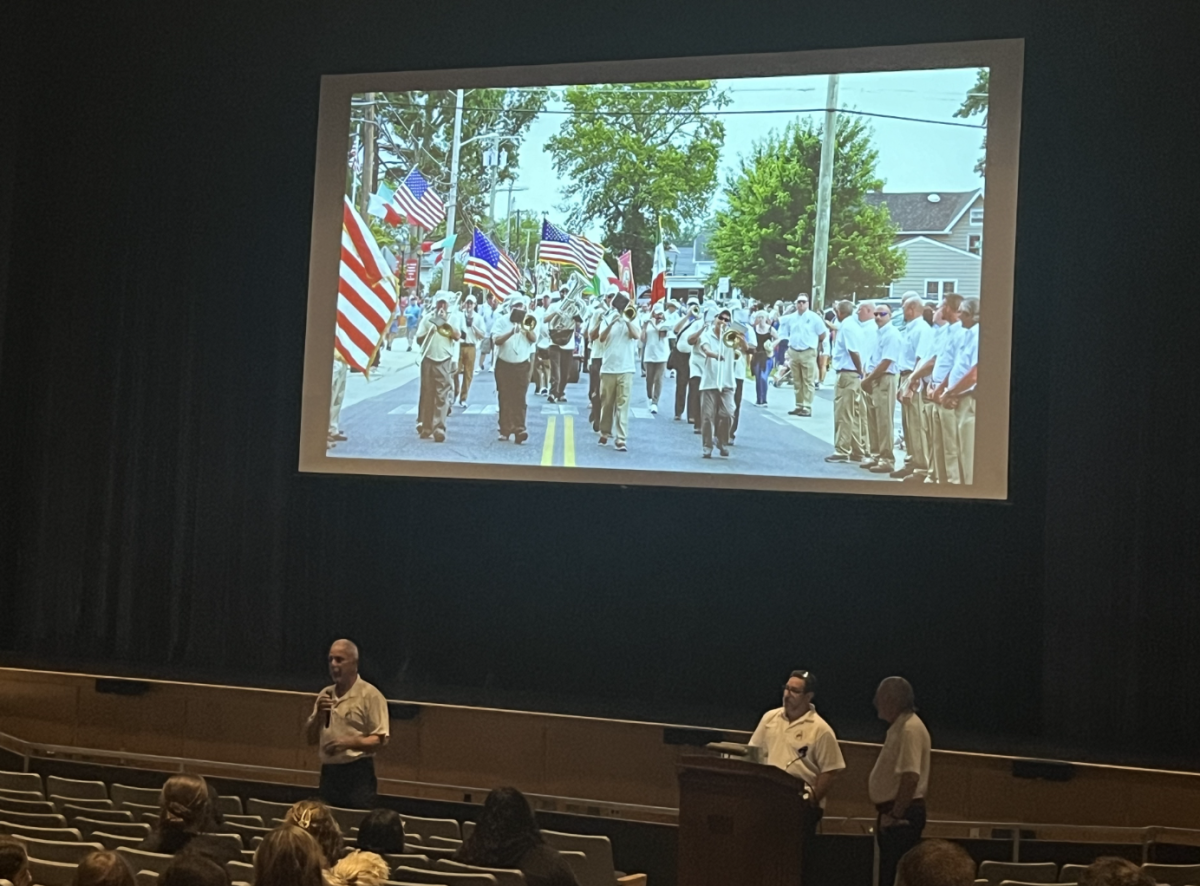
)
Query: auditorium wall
[{"x": 154, "y": 521}]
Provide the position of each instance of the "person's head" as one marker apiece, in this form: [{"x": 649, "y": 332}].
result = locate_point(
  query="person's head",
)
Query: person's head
[
  {"x": 914, "y": 307},
  {"x": 657, "y": 311},
  {"x": 562, "y": 291},
  {"x": 343, "y": 663},
  {"x": 288, "y": 856},
  {"x": 845, "y": 308},
  {"x": 724, "y": 316},
  {"x": 802, "y": 303},
  {"x": 382, "y": 830},
  {"x": 360, "y": 868},
  {"x": 936, "y": 863},
  {"x": 103, "y": 869},
  {"x": 184, "y": 804},
  {"x": 893, "y": 698},
  {"x": 928, "y": 314},
  {"x": 193, "y": 869},
  {"x": 1108, "y": 870},
  {"x": 866, "y": 311},
  {"x": 505, "y": 831},
  {"x": 883, "y": 315},
  {"x": 14, "y": 863},
  {"x": 469, "y": 303},
  {"x": 798, "y": 693},
  {"x": 761, "y": 318},
  {"x": 968, "y": 312},
  {"x": 314, "y": 816},
  {"x": 951, "y": 302}
]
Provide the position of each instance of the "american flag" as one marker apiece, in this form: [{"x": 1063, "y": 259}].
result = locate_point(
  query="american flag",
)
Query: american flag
[
  {"x": 560, "y": 248},
  {"x": 417, "y": 202},
  {"x": 366, "y": 297},
  {"x": 490, "y": 268}
]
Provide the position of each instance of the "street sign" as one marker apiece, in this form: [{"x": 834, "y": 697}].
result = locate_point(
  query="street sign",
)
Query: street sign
[
  {"x": 410, "y": 273},
  {"x": 722, "y": 285}
]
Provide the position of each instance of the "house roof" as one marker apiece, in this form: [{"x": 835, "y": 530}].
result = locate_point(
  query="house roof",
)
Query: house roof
[{"x": 916, "y": 213}]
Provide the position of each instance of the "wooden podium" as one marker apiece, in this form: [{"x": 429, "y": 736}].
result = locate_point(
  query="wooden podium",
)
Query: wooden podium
[{"x": 739, "y": 823}]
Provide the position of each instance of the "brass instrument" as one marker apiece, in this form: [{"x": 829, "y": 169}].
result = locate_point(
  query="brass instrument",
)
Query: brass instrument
[
  {"x": 694, "y": 311},
  {"x": 530, "y": 322},
  {"x": 630, "y": 313},
  {"x": 735, "y": 336}
]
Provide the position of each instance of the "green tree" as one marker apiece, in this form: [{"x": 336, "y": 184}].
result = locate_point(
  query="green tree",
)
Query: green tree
[
  {"x": 634, "y": 154},
  {"x": 765, "y": 235},
  {"x": 417, "y": 129},
  {"x": 976, "y": 102}
]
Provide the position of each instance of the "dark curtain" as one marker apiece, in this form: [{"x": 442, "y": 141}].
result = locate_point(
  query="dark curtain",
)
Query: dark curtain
[{"x": 150, "y": 388}]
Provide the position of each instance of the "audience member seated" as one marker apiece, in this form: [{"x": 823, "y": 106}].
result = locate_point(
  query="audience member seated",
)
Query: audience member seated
[
  {"x": 185, "y": 820},
  {"x": 289, "y": 856},
  {"x": 1107, "y": 870},
  {"x": 360, "y": 869},
  {"x": 382, "y": 831},
  {"x": 935, "y": 863},
  {"x": 14, "y": 864},
  {"x": 194, "y": 869},
  {"x": 507, "y": 836},
  {"x": 104, "y": 869},
  {"x": 314, "y": 817}
]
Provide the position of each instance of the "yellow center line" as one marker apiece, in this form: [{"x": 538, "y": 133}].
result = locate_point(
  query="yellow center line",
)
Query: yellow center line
[
  {"x": 548, "y": 446},
  {"x": 569, "y": 442}
]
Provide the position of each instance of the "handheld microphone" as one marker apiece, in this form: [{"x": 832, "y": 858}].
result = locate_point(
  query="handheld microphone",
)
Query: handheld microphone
[{"x": 328, "y": 717}]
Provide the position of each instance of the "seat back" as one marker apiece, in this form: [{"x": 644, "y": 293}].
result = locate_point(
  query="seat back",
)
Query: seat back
[
  {"x": 229, "y": 805},
  {"x": 66, "y": 851},
  {"x": 245, "y": 831},
  {"x": 996, "y": 872},
  {"x": 266, "y": 809},
  {"x": 146, "y": 878},
  {"x": 79, "y": 803},
  {"x": 596, "y": 868},
  {"x": 123, "y": 793},
  {"x": 25, "y": 782},
  {"x": 445, "y": 878},
  {"x": 504, "y": 876},
  {"x": 141, "y": 860},
  {"x": 240, "y": 870},
  {"x": 229, "y": 842},
  {"x": 51, "y": 873},
  {"x": 59, "y": 834},
  {"x": 443, "y": 842},
  {"x": 468, "y": 828},
  {"x": 113, "y": 841},
  {"x": 37, "y": 807},
  {"x": 73, "y": 787},
  {"x": 407, "y": 859},
  {"x": 118, "y": 815},
  {"x": 120, "y": 828},
  {"x": 431, "y": 827},
  {"x": 139, "y": 809},
  {"x": 35, "y": 819},
  {"x": 253, "y": 821},
  {"x": 1070, "y": 873},
  {"x": 1173, "y": 874}
]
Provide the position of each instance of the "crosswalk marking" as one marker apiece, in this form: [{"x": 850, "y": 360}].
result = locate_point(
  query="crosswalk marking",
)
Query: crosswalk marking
[
  {"x": 559, "y": 409},
  {"x": 470, "y": 410}
]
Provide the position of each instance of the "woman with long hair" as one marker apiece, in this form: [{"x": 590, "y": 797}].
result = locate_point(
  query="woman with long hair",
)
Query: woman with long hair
[
  {"x": 507, "y": 836},
  {"x": 289, "y": 856},
  {"x": 381, "y": 831},
  {"x": 185, "y": 820},
  {"x": 314, "y": 816}
]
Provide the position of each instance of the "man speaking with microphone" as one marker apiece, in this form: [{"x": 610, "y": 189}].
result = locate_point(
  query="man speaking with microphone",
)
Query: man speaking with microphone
[{"x": 349, "y": 722}]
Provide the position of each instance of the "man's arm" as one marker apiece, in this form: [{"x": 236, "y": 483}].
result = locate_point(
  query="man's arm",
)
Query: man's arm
[
  {"x": 964, "y": 383},
  {"x": 694, "y": 338},
  {"x": 857, "y": 360},
  {"x": 879, "y": 370},
  {"x": 824, "y": 782},
  {"x": 904, "y": 796}
]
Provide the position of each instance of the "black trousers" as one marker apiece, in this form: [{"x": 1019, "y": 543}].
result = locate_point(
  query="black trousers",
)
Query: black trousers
[
  {"x": 512, "y": 385},
  {"x": 561, "y": 361},
  {"x": 349, "y": 785},
  {"x": 897, "y": 840},
  {"x": 594, "y": 390},
  {"x": 681, "y": 381}
]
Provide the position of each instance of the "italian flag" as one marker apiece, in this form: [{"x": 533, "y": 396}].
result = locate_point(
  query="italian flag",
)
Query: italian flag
[
  {"x": 658, "y": 285},
  {"x": 603, "y": 276}
]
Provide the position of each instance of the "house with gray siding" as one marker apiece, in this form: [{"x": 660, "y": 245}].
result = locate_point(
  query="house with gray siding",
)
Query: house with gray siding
[{"x": 941, "y": 234}]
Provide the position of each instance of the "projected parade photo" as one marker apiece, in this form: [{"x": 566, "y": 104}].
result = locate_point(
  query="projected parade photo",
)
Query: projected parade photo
[{"x": 749, "y": 281}]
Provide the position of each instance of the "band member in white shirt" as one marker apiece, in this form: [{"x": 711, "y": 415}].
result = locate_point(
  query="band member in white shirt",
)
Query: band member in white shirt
[
  {"x": 957, "y": 391},
  {"x": 599, "y": 310},
  {"x": 917, "y": 346},
  {"x": 879, "y": 389},
  {"x": 848, "y": 443},
  {"x": 487, "y": 313},
  {"x": 541, "y": 369},
  {"x": 716, "y": 364},
  {"x": 436, "y": 336},
  {"x": 683, "y": 328},
  {"x": 620, "y": 336},
  {"x": 935, "y": 370},
  {"x": 805, "y": 333},
  {"x": 472, "y": 330},
  {"x": 561, "y": 331},
  {"x": 654, "y": 358},
  {"x": 513, "y": 350},
  {"x": 900, "y": 778}
]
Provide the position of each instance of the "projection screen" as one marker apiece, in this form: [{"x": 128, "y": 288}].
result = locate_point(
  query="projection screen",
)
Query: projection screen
[{"x": 758, "y": 271}]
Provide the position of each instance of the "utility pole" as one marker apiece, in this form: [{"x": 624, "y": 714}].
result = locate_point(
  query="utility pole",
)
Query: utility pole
[
  {"x": 824, "y": 195},
  {"x": 495, "y": 178},
  {"x": 452, "y": 196},
  {"x": 368, "y": 169}
]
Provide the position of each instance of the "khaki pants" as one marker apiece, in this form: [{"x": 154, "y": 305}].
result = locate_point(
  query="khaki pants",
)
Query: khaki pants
[
  {"x": 948, "y": 426},
  {"x": 914, "y": 431},
  {"x": 935, "y": 452},
  {"x": 434, "y": 401},
  {"x": 615, "y": 388},
  {"x": 716, "y": 417},
  {"x": 881, "y": 417},
  {"x": 847, "y": 421},
  {"x": 465, "y": 372},
  {"x": 966, "y": 437},
  {"x": 804, "y": 375},
  {"x": 341, "y": 369}
]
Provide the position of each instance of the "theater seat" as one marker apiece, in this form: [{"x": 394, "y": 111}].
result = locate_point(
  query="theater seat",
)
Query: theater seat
[
  {"x": 24, "y": 782},
  {"x": 79, "y": 803},
  {"x": 35, "y": 819},
  {"x": 407, "y": 859},
  {"x": 51, "y": 873},
  {"x": 504, "y": 876},
  {"x": 145, "y": 861},
  {"x": 123, "y": 793},
  {"x": 240, "y": 870},
  {"x": 431, "y": 827},
  {"x": 146, "y": 878},
  {"x": 72, "y": 813},
  {"x": 33, "y": 807},
  {"x": 1071, "y": 873},
  {"x": 443, "y": 842},
  {"x": 1173, "y": 874},
  {"x": 445, "y": 878},
  {"x": 72, "y": 787},
  {"x": 229, "y": 805},
  {"x": 995, "y": 872},
  {"x": 68, "y": 852},
  {"x": 61, "y": 834},
  {"x": 596, "y": 868},
  {"x": 112, "y": 841},
  {"x": 266, "y": 809},
  {"x": 119, "y": 828}
]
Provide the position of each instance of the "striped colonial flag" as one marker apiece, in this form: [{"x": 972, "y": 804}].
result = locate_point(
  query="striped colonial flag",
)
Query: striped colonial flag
[
  {"x": 417, "y": 202},
  {"x": 490, "y": 268},
  {"x": 366, "y": 296},
  {"x": 561, "y": 248}
]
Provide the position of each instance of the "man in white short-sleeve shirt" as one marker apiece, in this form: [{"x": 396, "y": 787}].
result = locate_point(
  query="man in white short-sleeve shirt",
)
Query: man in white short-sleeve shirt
[
  {"x": 348, "y": 723},
  {"x": 901, "y": 775},
  {"x": 796, "y": 739}
]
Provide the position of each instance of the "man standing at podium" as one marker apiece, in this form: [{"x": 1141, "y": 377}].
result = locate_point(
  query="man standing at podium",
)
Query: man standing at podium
[
  {"x": 900, "y": 777},
  {"x": 797, "y": 740}
]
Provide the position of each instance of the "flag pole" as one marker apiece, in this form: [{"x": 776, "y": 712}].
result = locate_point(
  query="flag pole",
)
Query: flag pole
[{"x": 452, "y": 196}]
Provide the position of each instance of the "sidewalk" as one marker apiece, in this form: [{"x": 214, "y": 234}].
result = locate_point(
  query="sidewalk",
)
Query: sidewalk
[{"x": 396, "y": 367}]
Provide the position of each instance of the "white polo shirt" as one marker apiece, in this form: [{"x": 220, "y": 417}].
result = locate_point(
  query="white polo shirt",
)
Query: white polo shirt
[
  {"x": 598, "y": 312},
  {"x": 946, "y": 354},
  {"x": 804, "y": 747},
  {"x": 967, "y": 356},
  {"x": 435, "y": 346},
  {"x": 658, "y": 349},
  {"x": 715, "y": 375},
  {"x": 681, "y": 342},
  {"x": 848, "y": 339},
  {"x": 918, "y": 344},
  {"x": 362, "y": 711},
  {"x": 518, "y": 348},
  {"x": 620, "y": 348},
  {"x": 887, "y": 347},
  {"x": 905, "y": 749},
  {"x": 802, "y": 331}
]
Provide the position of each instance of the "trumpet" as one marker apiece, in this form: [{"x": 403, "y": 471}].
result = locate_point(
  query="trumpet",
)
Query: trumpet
[
  {"x": 694, "y": 311},
  {"x": 630, "y": 313},
  {"x": 529, "y": 323},
  {"x": 732, "y": 338}
]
